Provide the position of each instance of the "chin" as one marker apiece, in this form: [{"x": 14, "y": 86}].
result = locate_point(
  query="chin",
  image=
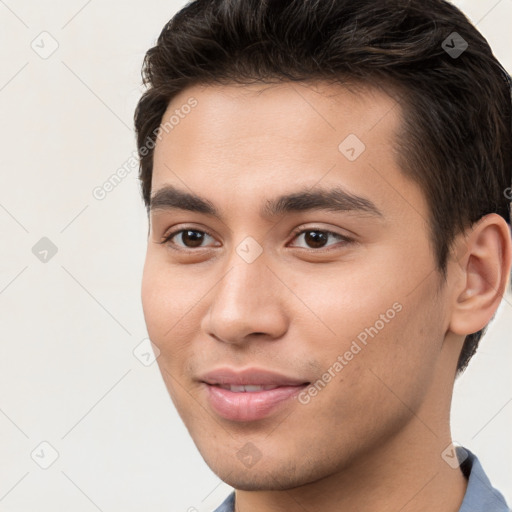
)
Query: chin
[
  {"x": 268, "y": 476},
  {"x": 249, "y": 480}
]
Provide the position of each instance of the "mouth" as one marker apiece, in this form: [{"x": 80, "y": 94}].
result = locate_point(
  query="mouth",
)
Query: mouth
[
  {"x": 250, "y": 395},
  {"x": 248, "y": 378},
  {"x": 247, "y": 388}
]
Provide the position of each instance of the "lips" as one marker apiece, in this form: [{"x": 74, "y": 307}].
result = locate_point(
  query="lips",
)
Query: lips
[
  {"x": 245, "y": 389},
  {"x": 250, "y": 394},
  {"x": 249, "y": 377}
]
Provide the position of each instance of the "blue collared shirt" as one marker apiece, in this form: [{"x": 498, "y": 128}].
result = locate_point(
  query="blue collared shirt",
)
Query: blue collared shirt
[{"x": 480, "y": 495}]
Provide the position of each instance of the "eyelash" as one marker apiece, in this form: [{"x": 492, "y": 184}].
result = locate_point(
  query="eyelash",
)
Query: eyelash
[{"x": 299, "y": 231}]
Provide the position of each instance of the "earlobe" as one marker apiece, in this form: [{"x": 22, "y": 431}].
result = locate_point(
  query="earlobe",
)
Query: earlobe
[{"x": 485, "y": 270}]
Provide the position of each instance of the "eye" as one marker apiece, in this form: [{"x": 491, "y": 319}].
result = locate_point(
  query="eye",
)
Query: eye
[
  {"x": 189, "y": 237},
  {"x": 317, "y": 238}
]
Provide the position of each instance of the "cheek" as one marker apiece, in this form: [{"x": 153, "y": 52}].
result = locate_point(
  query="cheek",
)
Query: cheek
[
  {"x": 170, "y": 308},
  {"x": 393, "y": 372},
  {"x": 171, "y": 302},
  {"x": 383, "y": 300},
  {"x": 373, "y": 393},
  {"x": 376, "y": 338},
  {"x": 342, "y": 305}
]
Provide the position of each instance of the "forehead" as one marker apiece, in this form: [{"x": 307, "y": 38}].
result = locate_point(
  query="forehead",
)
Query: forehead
[
  {"x": 280, "y": 121},
  {"x": 293, "y": 110},
  {"x": 261, "y": 139}
]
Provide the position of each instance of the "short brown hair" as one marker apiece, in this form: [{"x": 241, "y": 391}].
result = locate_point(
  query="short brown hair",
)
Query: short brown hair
[{"x": 456, "y": 140}]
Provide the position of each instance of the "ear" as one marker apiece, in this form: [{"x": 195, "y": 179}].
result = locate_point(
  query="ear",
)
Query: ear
[{"x": 483, "y": 274}]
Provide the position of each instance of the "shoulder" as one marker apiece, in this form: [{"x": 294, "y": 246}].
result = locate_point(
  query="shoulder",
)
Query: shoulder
[
  {"x": 480, "y": 494},
  {"x": 228, "y": 505}
]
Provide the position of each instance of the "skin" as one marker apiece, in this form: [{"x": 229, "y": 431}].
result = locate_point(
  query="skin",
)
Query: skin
[{"x": 373, "y": 438}]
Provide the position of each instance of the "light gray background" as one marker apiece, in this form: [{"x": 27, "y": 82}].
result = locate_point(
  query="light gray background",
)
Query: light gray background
[{"x": 68, "y": 375}]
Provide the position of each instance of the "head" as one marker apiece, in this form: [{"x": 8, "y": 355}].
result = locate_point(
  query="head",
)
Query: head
[{"x": 359, "y": 103}]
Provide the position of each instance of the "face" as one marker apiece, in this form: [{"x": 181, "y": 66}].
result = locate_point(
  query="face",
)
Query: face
[{"x": 273, "y": 279}]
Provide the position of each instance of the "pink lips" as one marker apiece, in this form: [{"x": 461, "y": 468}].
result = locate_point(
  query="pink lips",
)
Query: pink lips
[{"x": 250, "y": 405}]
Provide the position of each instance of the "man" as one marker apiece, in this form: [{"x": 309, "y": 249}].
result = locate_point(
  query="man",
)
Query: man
[{"x": 326, "y": 185}]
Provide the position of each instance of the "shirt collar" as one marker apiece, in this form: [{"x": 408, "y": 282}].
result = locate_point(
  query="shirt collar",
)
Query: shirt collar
[{"x": 480, "y": 494}]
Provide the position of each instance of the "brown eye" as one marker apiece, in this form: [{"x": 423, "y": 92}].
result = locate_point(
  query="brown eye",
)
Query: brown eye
[
  {"x": 318, "y": 238},
  {"x": 188, "y": 238},
  {"x": 192, "y": 238}
]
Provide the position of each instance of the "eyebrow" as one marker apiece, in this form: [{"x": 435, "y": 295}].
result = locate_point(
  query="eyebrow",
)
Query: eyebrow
[{"x": 333, "y": 199}]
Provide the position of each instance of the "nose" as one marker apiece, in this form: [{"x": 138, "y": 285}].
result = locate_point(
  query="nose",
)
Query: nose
[{"x": 247, "y": 302}]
